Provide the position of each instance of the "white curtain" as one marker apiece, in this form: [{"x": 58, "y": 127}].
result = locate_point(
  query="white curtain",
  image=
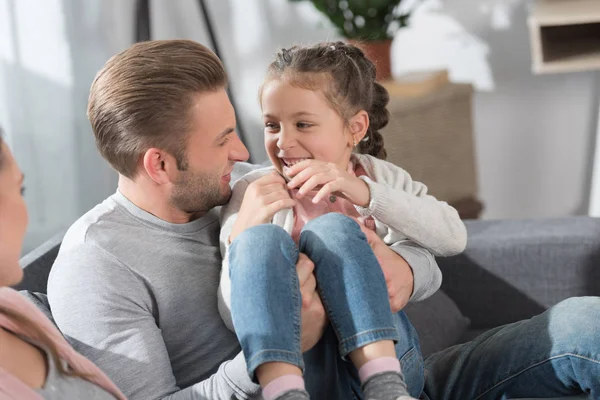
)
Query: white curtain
[{"x": 49, "y": 53}]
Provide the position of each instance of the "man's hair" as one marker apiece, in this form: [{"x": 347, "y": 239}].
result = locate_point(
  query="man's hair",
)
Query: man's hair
[{"x": 142, "y": 99}]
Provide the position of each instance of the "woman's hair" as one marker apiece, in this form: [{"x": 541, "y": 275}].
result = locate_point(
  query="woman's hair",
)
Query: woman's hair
[{"x": 346, "y": 77}]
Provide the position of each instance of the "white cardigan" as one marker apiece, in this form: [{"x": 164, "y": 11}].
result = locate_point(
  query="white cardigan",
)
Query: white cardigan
[{"x": 401, "y": 208}]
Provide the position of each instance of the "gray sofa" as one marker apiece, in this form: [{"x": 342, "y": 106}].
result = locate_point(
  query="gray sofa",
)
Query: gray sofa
[{"x": 511, "y": 270}]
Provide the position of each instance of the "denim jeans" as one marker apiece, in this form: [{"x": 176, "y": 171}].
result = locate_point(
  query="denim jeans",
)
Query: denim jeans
[
  {"x": 556, "y": 353},
  {"x": 266, "y": 304}
]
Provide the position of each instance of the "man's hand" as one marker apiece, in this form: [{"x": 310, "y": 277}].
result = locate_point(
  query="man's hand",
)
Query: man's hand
[
  {"x": 313, "y": 313},
  {"x": 398, "y": 274},
  {"x": 263, "y": 199}
]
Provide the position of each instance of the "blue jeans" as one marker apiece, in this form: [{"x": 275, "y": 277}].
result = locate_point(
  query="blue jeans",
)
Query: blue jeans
[
  {"x": 266, "y": 304},
  {"x": 556, "y": 353}
]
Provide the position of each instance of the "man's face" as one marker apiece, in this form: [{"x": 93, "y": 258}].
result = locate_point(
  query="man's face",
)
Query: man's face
[{"x": 213, "y": 148}]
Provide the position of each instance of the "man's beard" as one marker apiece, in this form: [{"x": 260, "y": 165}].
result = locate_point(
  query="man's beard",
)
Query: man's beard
[{"x": 198, "y": 192}]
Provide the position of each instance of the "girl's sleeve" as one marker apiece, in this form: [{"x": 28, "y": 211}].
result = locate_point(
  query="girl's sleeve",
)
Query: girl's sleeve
[{"x": 404, "y": 206}]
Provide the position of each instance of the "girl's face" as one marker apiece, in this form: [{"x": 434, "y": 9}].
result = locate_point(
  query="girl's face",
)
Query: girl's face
[
  {"x": 13, "y": 219},
  {"x": 300, "y": 124}
]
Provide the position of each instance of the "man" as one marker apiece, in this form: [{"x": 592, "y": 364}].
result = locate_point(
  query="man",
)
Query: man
[{"x": 134, "y": 287}]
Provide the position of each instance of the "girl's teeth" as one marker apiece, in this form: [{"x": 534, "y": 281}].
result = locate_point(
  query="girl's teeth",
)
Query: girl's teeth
[{"x": 294, "y": 162}]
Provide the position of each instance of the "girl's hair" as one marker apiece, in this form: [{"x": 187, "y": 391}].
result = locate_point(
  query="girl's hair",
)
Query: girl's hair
[{"x": 346, "y": 77}]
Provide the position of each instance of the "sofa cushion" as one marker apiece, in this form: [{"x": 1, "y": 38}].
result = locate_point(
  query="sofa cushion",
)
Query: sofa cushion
[{"x": 438, "y": 321}]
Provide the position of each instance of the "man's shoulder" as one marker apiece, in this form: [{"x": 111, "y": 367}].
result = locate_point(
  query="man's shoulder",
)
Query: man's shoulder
[
  {"x": 83, "y": 255},
  {"x": 104, "y": 216},
  {"x": 98, "y": 234}
]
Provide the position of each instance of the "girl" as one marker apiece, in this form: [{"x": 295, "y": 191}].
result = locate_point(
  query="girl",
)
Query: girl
[
  {"x": 319, "y": 104},
  {"x": 36, "y": 362}
]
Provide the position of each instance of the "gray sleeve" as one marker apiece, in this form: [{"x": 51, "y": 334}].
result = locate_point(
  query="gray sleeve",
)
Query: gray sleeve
[
  {"x": 105, "y": 311},
  {"x": 426, "y": 273}
]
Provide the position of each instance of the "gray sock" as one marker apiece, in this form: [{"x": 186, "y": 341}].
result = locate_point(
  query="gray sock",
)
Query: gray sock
[
  {"x": 294, "y": 394},
  {"x": 386, "y": 386}
]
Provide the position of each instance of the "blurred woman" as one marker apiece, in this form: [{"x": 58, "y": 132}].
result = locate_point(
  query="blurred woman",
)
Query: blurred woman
[{"x": 36, "y": 362}]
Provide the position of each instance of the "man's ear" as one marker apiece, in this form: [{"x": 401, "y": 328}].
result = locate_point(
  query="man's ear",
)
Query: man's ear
[
  {"x": 359, "y": 124},
  {"x": 160, "y": 166}
]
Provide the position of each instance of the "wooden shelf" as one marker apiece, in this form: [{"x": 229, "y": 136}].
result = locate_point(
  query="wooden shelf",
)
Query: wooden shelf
[{"x": 565, "y": 36}]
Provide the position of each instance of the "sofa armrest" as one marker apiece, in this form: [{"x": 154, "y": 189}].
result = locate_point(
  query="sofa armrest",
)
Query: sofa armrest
[
  {"x": 37, "y": 264},
  {"x": 514, "y": 269}
]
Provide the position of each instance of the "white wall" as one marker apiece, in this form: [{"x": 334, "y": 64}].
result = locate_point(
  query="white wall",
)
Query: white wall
[{"x": 534, "y": 133}]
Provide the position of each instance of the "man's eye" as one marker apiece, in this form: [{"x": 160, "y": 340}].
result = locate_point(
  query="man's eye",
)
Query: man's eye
[
  {"x": 22, "y": 190},
  {"x": 224, "y": 142}
]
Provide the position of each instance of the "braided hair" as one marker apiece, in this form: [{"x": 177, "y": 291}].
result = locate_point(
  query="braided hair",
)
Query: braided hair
[{"x": 350, "y": 84}]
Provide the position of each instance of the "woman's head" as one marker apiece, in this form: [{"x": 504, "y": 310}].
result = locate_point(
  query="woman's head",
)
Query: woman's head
[
  {"x": 320, "y": 102},
  {"x": 13, "y": 218}
]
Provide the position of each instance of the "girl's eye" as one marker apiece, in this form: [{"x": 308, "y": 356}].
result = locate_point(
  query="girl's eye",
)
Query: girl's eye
[
  {"x": 303, "y": 125},
  {"x": 271, "y": 126}
]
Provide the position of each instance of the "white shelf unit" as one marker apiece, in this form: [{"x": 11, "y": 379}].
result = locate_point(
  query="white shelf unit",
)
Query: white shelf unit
[{"x": 565, "y": 37}]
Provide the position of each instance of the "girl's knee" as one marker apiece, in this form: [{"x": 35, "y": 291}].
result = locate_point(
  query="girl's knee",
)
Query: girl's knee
[
  {"x": 262, "y": 236},
  {"x": 331, "y": 222}
]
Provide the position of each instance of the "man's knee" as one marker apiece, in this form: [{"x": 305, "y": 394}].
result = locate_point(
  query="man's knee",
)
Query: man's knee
[{"x": 575, "y": 323}]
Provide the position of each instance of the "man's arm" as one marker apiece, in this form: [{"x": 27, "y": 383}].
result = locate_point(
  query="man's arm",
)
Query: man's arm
[
  {"x": 426, "y": 274},
  {"x": 411, "y": 272},
  {"x": 106, "y": 313}
]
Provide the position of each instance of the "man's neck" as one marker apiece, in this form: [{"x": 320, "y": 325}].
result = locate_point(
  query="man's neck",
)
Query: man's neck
[{"x": 152, "y": 199}]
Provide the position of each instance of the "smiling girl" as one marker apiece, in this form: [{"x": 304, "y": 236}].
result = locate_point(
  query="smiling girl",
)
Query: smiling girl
[{"x": 330, "y": 196}]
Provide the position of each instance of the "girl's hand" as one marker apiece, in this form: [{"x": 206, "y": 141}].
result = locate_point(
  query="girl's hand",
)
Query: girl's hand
[
  {"x": 329, "y": 179},
  {"x": 263, "y": 199}
]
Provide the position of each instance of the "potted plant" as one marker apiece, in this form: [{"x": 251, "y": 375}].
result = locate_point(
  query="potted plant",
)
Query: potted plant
[{"x": 369, "y": 24}]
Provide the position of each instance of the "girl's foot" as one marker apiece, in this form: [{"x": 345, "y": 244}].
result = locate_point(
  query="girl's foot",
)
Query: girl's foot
[
  {"x": 286, "y": 387},
  {"x": 386, "y": 386},
  {"x": 295, "y": 394}
]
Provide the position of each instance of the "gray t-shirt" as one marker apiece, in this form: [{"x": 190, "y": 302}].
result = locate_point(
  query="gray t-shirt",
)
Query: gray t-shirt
[{"x": 138, "y": 297}]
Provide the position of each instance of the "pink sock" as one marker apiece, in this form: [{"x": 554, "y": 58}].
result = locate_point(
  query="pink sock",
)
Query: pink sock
[
  {"x": 378, "y": 365},
  {"x": 281, "y": 385}
]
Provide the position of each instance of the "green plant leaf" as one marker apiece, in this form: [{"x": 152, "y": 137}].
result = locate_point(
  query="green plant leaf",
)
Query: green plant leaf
[{"x": 376, "y": 15}]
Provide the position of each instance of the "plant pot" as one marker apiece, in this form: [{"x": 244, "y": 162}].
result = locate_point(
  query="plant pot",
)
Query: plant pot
[{"x": 378, "y": 51}]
